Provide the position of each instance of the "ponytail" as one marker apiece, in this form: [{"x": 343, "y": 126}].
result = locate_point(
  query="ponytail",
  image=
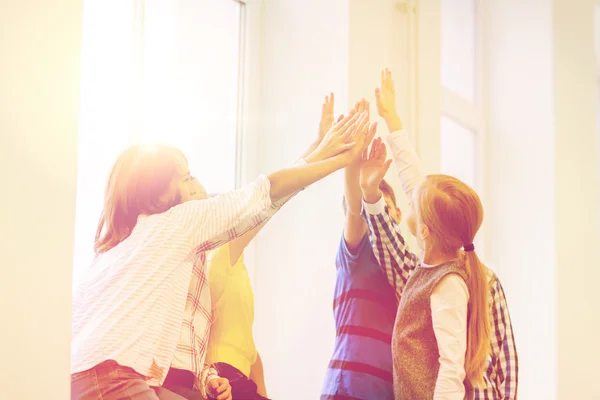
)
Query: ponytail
[
  {"x": 453, "y": 213},
  {"x": 478, "y": 321}
]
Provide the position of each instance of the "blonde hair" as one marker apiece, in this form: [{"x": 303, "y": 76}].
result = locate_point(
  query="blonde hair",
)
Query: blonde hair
[
  {"x": 138, "y": 180},
  {"x": 453, "y": 213}
]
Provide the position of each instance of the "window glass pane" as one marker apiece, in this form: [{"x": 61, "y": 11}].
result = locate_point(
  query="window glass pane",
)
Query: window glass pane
[
  {"x": 457, "y": 148},
  {"x": 105, "y": 113},
  {"x": 191, "y": 57},
  {"x": 458, "y": 47}
]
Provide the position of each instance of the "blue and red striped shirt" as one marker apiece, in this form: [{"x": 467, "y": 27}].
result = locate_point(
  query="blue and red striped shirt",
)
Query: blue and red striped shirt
[{"x": 364, "y": 309}]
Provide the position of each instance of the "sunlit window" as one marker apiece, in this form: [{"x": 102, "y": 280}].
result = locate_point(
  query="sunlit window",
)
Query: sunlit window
[
  {"x": 458, "y": 47},
  {"x": 156, "y": 71}
]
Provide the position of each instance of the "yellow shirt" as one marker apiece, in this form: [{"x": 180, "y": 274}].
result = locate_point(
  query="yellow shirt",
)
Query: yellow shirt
[{"x": 231, "y": 340}]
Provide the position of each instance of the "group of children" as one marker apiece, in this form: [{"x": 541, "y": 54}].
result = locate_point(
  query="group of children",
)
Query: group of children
[
  {"x": 166, "y": 309},
  {"x": 449, "y": 335}
]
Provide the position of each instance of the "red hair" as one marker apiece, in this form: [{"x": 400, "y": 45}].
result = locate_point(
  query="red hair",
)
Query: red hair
[
  {"x": 453, "y": 213},
  {"x": 136, "y": 185}
]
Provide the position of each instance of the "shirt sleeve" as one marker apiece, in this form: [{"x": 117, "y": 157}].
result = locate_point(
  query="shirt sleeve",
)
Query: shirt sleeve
[
  {"x": 391, "y": 251},
  {"x": 406, "y": 160},
  {"x": 504, "y": 351},
  {"x": 350, "y": 260},
  {"x": 212, "y": 222},
  {"x": 250, "y": 222},
  {"x": 449, "y": 315}
]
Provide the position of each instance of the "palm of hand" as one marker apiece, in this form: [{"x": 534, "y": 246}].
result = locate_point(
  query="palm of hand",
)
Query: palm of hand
[{"x": 371, "y": 173}]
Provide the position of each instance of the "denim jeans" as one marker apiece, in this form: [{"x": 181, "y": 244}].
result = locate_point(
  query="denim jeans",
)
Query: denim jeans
[{"x": 111, "y": 381}]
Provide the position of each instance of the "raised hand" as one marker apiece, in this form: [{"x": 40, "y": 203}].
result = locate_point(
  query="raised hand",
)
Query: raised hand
[
  {"x": 339, "y": 138},
  {"x": 362, "y": 137},
  {"x": 386, "y": 101},
  {"x": 326, "y": 116},
  {"x": 373, "y": 168}
]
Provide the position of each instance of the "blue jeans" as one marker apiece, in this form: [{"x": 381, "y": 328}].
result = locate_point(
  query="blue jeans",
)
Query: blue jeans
[{"x": 111, "y": 381}]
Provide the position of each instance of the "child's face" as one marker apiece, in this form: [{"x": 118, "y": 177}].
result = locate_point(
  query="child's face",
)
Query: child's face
[
  {"x": 198, "y": 191},
  {"x": 185, "y": 186}
]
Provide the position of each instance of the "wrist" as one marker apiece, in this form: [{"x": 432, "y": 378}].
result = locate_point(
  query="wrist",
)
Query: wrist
[
  {"x": 393, "y": 123},
  {"x": 313, "y": 157},
  {"x": 371, "y": 195}
]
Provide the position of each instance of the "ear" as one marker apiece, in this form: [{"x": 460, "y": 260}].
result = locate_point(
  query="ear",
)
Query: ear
[{"x": 425, "y": 232}]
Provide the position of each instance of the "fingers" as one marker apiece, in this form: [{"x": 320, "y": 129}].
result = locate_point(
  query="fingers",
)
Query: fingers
[
  {"x": 389, "y": 81},
  {"x": 341, "y": 117},
  {"x": 371, "y": 133},
  {"x": 226, "y": 394},
  {"x": 386, "y": 166},
  {"x": 372, "y": 154},
  {"x": 349, "y": 128}
]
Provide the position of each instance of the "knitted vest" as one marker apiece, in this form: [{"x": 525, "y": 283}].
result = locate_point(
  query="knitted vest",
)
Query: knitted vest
[{"x": 414, "y": 346}]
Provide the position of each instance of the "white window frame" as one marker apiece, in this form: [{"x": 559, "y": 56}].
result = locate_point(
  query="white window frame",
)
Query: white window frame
[{"x": 434, "y": 100}]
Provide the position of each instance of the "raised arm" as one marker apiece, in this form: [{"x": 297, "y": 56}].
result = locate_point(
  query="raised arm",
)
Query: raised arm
[
  {"x": 355, "y": 225},
  {"x": 237, "y": 246},
  {"x": 389, "y": 247},
  {"x": 504, "y": 350},
  {"x": 215, "y": 219},
  {"x": 405, "y": 158}
]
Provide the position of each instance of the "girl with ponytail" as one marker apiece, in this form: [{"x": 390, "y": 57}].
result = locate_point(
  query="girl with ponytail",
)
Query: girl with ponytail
[
  {"x": 441, "y": 338},
  {"x": 453, "y": 334}
]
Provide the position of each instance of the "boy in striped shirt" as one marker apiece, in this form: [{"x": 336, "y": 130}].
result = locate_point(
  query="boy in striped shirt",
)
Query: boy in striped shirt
[{"x": 364, "y": 305}]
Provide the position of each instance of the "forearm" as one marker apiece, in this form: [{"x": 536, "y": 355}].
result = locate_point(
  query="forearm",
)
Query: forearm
[
  {"x": 355, "y": 224},
  {"x": 352, "y": 191},
  {"x": 406, "y": 160},
  {"x": 238, "y": 245},
  {"x": 390, "y": 249},
  {"x": 290, "y": 180}
]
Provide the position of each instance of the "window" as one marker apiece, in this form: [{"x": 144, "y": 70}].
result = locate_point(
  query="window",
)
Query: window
[
  {"x": 156, "y": 71},
  {"x": 460, "y": 162},
  {"x": 461, "y": 127},
  {"x": 458, "y": 47},
  {"x": 462, "y": 120}
]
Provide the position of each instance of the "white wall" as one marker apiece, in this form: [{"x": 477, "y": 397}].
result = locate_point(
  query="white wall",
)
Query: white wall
[
  {"x": 521, "y": 182},
  {"x": 39, "y": 101},
  {"x": 542, "y": 189},
  {"x": 576, "y": 200}
]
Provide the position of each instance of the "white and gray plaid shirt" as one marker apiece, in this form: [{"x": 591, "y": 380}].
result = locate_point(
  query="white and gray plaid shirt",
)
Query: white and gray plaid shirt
[{"x": 394, "y": 257}]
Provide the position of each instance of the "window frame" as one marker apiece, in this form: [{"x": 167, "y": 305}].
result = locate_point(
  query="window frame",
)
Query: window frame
[{"x": 434, "y": 100}]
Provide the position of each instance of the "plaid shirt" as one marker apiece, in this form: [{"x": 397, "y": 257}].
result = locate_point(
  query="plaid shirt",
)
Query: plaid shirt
[
  {"x": 190, "y": 353},
  {"x": 393, "y": 255}
]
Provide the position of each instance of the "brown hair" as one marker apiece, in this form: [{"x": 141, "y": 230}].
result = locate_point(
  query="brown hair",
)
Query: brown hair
[
  {"x": 138, "y": 180},
  {"x": 453, "y": 213}
]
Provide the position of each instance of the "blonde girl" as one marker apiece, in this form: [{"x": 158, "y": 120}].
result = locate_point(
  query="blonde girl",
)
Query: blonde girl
[
  {"x": 441, "y": 339},
  {"x": 128, "y": 309}
]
